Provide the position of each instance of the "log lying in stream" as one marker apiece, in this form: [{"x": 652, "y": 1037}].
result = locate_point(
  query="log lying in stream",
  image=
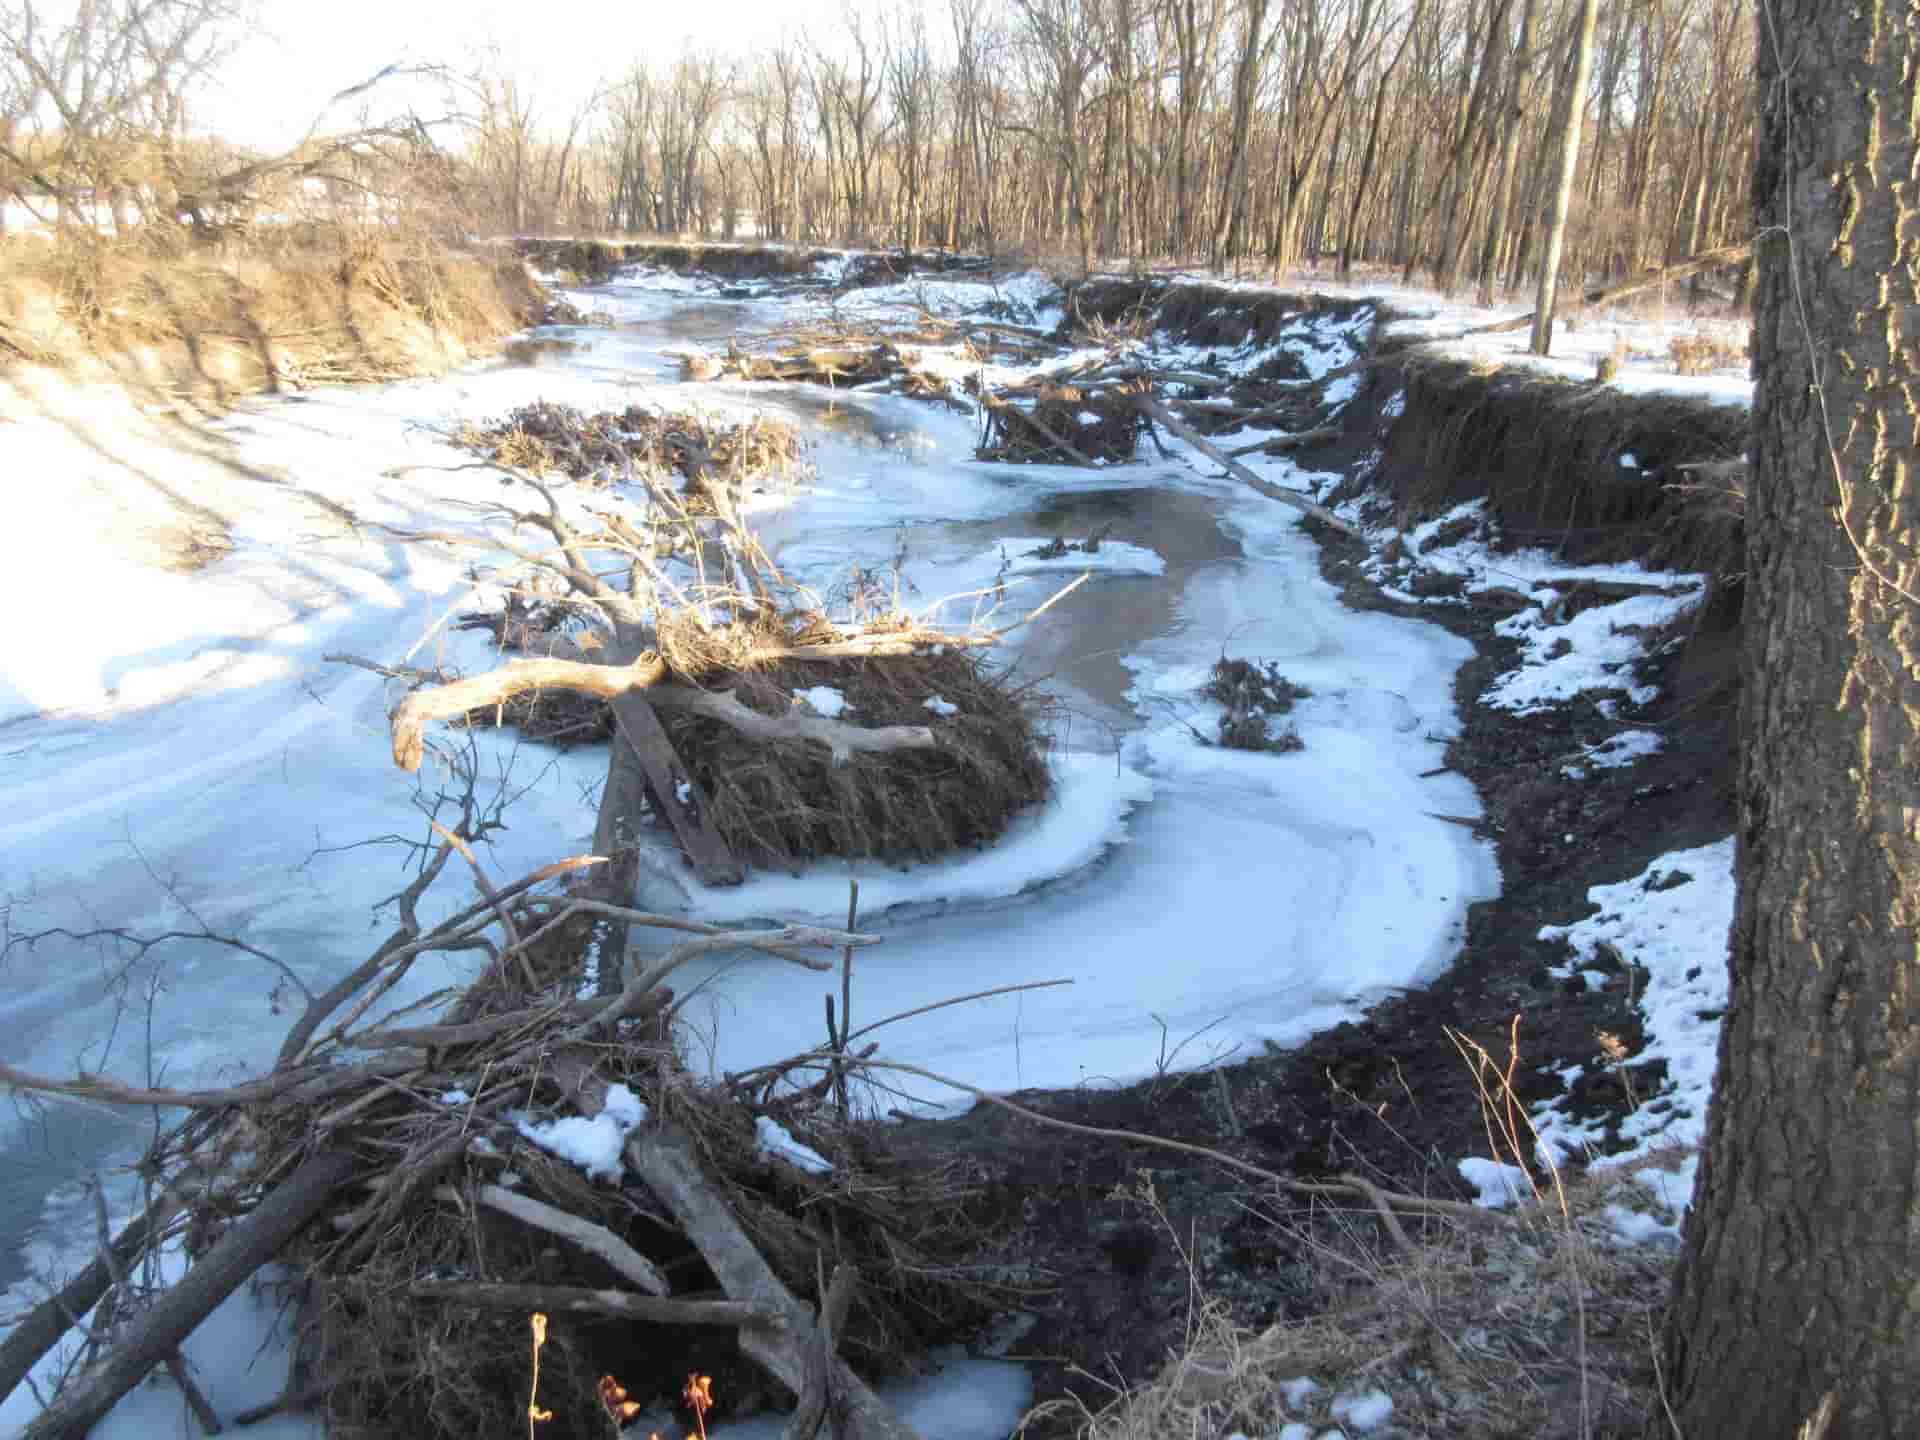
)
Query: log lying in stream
[
  {"x": 1158, "y": 412},
  {"x": 158, "y": 1333}
]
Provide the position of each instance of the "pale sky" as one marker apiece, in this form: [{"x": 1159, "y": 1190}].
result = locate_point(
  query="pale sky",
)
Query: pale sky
[{"x": 307, "y": 50}]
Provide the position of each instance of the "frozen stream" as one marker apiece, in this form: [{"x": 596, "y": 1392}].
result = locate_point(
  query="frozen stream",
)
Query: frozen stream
[{"x": 177, "y": 753}]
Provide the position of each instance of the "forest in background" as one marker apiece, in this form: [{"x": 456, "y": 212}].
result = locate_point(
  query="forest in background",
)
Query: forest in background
[{"x": 1426, "y": 136}]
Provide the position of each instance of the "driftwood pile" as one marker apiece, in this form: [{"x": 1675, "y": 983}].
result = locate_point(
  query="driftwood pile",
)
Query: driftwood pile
[
  {"x": 409, "y": 1172},
  {"x": 605, "y": 448},
  {"x": 756, "y": 727},
  {"x": 1092, "y": 413}
]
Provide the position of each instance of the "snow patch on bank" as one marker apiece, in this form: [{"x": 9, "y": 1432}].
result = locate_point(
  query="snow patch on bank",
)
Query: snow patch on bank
[{"x": 1671, "y": 921}]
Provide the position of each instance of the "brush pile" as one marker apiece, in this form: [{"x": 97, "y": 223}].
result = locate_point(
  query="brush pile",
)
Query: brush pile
[
  {"x": 765, "y": 731},
  {"x": 597, "y": 450},
  {"x": 1049, "y": 423},
  {"x": 433, "y": 1182}
]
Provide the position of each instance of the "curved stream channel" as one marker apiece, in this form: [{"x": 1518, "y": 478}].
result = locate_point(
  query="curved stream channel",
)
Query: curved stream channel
[{"x": 208, "y": 767}]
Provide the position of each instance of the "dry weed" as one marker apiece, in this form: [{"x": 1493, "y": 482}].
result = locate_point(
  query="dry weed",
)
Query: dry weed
[
  {"x": 305, "y": 305},
  {"x": 1539, "y": 1330}
]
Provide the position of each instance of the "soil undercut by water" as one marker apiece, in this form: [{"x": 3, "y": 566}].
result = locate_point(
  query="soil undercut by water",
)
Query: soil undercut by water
[{"x": 1121, "y": 1243}]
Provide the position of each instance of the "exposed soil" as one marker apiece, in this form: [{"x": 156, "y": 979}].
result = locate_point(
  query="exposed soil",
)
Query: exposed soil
[{"x": 1116, "y": 1279}]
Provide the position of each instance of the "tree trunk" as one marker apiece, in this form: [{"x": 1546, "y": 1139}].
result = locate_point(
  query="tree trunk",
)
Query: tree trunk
[
  {"x": 1563, "y": 191},
  {"x": 1799, "y": 1288},
  {"x": 1516, "y": 115}
]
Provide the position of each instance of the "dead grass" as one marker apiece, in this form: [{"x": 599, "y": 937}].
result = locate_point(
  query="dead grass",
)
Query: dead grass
[
  {"x": 284, "y": 308},
  {"x": 1541, "y": 1330},
  {"x": 779, "y": 805}
]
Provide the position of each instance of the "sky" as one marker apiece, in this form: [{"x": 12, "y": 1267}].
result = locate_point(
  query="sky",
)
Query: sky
[{"x": 300, "y": 54}]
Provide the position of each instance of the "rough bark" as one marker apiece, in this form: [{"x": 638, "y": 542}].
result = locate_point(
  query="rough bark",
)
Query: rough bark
[{"x": 1800, "y": 1280}]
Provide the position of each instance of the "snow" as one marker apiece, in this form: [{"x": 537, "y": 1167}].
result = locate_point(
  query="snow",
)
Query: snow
[
  {"x": 963, "y": 1399},
  {"x": 1639, "y": 336},
  {"x": 1616, "y": 752},
  {"x": 941, "y": 706},
  {"x": 1593, "y": 651},
  {"x": 592, "y": 1144},
  {"x": 824, "y": 700},
  {"x": 1298, "y": 1391},
  {"x": 1365, "y": 1411},
  {"x": 775, "y": 1140},
  {"x": 1322, "y": 342},
  {"x": 1496, "y": 1185},
  {"x": 1672, "y": 920}
]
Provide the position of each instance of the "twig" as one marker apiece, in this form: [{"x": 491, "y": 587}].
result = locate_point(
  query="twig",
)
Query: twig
[
  {"x": 486, "y": 885},
  {"x": 958, "y": 1000}
]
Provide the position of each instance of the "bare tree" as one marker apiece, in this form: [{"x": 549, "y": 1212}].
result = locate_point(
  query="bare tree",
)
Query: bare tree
[
  {"x": 95, "y": 98},
  {"x": 1576, "y": 99}
]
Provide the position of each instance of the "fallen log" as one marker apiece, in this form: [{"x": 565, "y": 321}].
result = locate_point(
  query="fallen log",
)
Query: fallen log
[
  {"x": 1274, "y": 444},
  {"x": 498, "y": 685},
  {"x": 666, "y": 1161},
  {"x": 1646, "y": 280},
  {"x": 675, "y": 790},
  {"x": 248, "y": 1245},
  {"x": 577, "y": 1300},
  {"x": 1154, "y": 410},
  {"x": 841, "y": 740},
  {"x": 29, "y": 1342}
]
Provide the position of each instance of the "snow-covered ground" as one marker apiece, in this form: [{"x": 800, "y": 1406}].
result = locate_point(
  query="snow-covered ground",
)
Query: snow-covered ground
[
  {"x": 180, "y": 754},
  {"x": 1639, "y": 333}
]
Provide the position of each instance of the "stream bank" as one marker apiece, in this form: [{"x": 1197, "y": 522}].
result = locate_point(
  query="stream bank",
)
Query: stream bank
[{"x": 1126, "y": 1244}]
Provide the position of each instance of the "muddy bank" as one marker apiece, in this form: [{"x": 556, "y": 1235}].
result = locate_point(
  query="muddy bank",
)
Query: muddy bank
[
  {"x": 1588, "y": 471},
  {"x": 1122, "y": 1243},
  {"x": 1196, "y": 313}
]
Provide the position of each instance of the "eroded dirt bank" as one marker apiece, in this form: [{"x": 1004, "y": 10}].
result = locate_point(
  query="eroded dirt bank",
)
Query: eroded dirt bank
[{"x": 1121, "y": 1243}]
